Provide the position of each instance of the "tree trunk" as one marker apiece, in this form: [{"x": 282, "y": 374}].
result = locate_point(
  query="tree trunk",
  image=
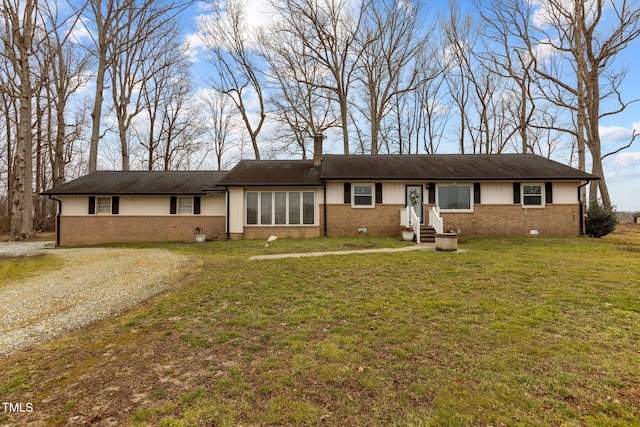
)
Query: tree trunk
[{"x": 96, "y": 114}]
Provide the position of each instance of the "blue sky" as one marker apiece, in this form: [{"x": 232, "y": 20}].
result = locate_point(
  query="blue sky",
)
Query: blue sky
[{"x": 622, "y": 170}]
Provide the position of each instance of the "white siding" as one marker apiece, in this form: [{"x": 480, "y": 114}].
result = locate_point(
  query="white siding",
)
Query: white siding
[
  {"x": 335, "y": 193},
  {"x": 501, "y": 193},
  {"x": 393, "y": 192},
  {"x": 496, "y": 193},
  {"x": 211, "y": 205},
  {"x": 236, "y": 208},
  {"x": 565, "y": 192},
  {"x": 74, "y": 205}
]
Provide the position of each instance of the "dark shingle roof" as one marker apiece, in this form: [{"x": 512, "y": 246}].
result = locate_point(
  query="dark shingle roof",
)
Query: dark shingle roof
[
  {"x": 273, "y": 173},
  {"x": 141, "y": 182},
  {"x": 425, "y": 167},
  {"x": 448, "y": 167}
]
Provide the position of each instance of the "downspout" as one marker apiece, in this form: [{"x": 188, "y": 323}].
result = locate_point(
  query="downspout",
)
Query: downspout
[
  {"x": 226, "y": 191},
  {"x": 58, "y": 213},
  {"x": 581, "y": 207},
  {"x": 324, "y": 207}
]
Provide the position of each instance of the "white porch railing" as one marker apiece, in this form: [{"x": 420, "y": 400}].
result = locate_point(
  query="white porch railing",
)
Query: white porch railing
[
  {"x": 409, "y": 218},
  {"x": 414, "y": 222},
  {"x": 435, "y": 220}
]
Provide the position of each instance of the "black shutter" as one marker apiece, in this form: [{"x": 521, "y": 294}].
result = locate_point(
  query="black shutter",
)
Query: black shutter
[
  {"x": 432, "y": 193},
  {"x": 173, "y": 208},
  {"x": 196, "y": 205},
  {"x": 379, "y": 192},
  {"x": 115, "y": 205},
  {"x": 92, "y": 205},
  {"x": 476, "y": 193},
  {"x": 548, "y": 192},
  {"x": 516, "y": 192},
  {"x": 347, "y": 192}
]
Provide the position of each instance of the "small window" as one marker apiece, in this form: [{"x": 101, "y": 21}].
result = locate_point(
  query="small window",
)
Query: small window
[
  {"x": 185, "y": 205},
  {"x": 532, "y": 195},
  {"x": 362, "y": 195},
  {"x": 454, "y": 197},
  {"x": 103, "y": 205}
]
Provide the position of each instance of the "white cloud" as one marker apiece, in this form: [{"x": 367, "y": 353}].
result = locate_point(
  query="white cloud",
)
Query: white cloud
[
  {"x": 615, "y": 134},
  {"x": 627, "y": 160}
]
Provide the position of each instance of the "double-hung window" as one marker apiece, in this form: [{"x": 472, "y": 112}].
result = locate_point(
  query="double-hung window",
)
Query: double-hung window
[
  {"x": 362, "y": 195},
  {"x": 532, "y": 195},
  {"x": 280, "y": 208},
  {"x": 103, "y": 205},
  {"x": 455, "y": 197},
  {"x": 184, "y": 205}
]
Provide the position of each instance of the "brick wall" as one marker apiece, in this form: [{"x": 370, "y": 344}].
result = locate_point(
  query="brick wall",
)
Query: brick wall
[
  {"x": 344, "y": 221},
  {"x": 486, "y": 220},
  {"x": 513, "y": 220},
  {"x": 96, "y": 229}
]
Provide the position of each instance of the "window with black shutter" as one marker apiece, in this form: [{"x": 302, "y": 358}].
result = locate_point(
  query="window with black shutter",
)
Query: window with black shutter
[
  {"x": 476, "y": 193},
  {"x": 92, "y": 205},
  {"x": 432, "y": 193},
  {"x": 548, "y": 192},
  {"x": 173, "y": 206},
  {"x": 196, "y": 205},
  {"x": 115, "y": 205},
  {"x": 347, "y": 192},
  {"x": 379, "y": 192},
  {"x": 516, "y": 192}
]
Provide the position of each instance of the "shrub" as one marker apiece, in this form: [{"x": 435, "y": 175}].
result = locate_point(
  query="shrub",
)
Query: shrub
[{"x": 601, "y": 220}]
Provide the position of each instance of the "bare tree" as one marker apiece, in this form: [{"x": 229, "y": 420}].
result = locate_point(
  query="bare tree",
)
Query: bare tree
[
  {"x": 301, "y": 108},
  {"x": 506, "y": 24},
  {"x": 19, "y": 39},
  {"x": 575, "y": 46},
  {"x": 118, "y": 27},
  {"x": 235, "y": 56},
  {"x": 392, "y": 36},
  {"x": 457, "y": 32},
  {"x": 67, "y": 66},
  {"x": 218, "y": 124},
  {"x": 328, "y": 31}
]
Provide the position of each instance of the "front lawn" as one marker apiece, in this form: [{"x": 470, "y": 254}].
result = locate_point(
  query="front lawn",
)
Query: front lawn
[{"x": 522, "y": 331}]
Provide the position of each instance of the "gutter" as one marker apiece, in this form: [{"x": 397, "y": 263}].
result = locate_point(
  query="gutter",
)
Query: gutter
[{"x": 58, "y": 213}]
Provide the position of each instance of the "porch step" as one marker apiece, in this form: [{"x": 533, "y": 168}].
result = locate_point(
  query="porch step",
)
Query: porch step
[{"x": 427, "y": 234}]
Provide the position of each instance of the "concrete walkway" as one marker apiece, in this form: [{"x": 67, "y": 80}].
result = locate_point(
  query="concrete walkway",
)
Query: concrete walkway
[{"x": 418, "y": 247}]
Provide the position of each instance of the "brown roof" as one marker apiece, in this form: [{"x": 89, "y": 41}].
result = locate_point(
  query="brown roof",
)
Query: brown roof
[
  {"x": 273, "y": 173},
  {"x": 448, "y": 167},
  {"x": 142, "y": 182}
]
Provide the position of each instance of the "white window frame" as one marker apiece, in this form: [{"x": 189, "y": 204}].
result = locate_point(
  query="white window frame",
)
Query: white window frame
[
  {"x": 468, "y": 185},
  {"x": 179, "y": 207},
  {"x": 287, "y": 208},
  {"x": 372, "y": 188},
  {"x": 523, "y": 196},
  {"x": 105, "y": 208}
]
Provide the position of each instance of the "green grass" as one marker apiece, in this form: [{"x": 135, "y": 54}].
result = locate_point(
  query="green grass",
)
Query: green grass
[
  {"x": 14, "y": 269},
  {"x": 514, "y": 331}
]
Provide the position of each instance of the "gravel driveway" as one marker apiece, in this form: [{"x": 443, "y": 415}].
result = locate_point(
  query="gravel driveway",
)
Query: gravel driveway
[{"x": 94, "y": 283}]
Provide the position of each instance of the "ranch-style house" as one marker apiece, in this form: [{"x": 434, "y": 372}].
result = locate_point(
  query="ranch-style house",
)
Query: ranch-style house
[{"x": 331, "y": 195}]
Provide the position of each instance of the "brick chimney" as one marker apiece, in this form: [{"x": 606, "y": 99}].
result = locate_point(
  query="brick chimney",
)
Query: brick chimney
[{"x": 317, "y": 149}]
